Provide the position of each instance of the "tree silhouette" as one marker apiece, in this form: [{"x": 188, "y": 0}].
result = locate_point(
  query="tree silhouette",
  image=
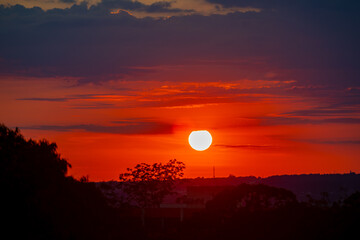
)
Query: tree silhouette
[
  {"x": 147, "y": 185},
  {"x": 29, "y": 160},
  {"x": 40, "y": 202}
]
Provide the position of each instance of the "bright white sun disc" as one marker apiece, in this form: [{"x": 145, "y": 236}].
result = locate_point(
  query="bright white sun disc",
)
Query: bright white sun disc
[{"x": 200, "y": 140}]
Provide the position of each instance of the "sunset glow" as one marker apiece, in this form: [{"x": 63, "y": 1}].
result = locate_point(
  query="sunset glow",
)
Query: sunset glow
[
  {"x": 119, "y": 83},
  {"x": 180, "y": 119}
]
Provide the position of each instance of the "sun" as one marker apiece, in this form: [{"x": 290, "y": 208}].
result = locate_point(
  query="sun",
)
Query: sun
[{"x": 200, "y": 140}]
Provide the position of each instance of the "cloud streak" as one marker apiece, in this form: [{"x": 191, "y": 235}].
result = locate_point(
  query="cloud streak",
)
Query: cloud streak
[
  {"x": 246, "y": 146},
  {"x": 130, "y": 127},
  {"x": 330, "y": 142},
  {"x": 44, "y": 99},
  {"x": 283, "y": 120}
]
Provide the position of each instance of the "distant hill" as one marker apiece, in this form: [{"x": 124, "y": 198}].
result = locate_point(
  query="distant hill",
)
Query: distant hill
[
  {"x": 331, "y": 187},
  {"x": 334, "y": 187}
]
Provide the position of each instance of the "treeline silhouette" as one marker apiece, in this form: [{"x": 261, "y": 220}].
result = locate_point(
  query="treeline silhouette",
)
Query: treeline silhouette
[{"x": 39, "y": 201}]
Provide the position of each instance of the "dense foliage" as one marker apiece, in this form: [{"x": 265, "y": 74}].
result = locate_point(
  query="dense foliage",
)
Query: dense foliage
[{"x": 40, "y": 202}]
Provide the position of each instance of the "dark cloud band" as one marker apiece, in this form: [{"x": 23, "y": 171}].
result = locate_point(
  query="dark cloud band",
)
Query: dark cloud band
[{"x": 129, "y": 128}]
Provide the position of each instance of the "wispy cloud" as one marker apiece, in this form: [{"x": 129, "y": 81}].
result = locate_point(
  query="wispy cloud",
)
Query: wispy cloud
[
  {"x": 331, "y": 142},
  {"x": 88, "y": 101},
  {"x": 246, "y": 146},
  {"x": 324, "y": 112},
  {"x": 45, "y": 99},
  {"x": 130, "y": 127},
  {"x": 170, "y": 95},
  {"x": 285, "y": 120}
]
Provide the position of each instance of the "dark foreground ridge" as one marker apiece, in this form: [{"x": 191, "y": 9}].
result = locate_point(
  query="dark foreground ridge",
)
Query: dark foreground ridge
[{"x": 40, "y": 201}]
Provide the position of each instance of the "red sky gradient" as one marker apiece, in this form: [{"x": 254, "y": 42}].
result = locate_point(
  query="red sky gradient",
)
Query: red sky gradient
[{"x": 278, "y": 97}]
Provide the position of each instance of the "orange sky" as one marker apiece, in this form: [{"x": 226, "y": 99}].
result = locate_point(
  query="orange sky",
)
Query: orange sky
[
  {"x": 246, "y": 141},
  {"x": 277, "y": 86}
]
